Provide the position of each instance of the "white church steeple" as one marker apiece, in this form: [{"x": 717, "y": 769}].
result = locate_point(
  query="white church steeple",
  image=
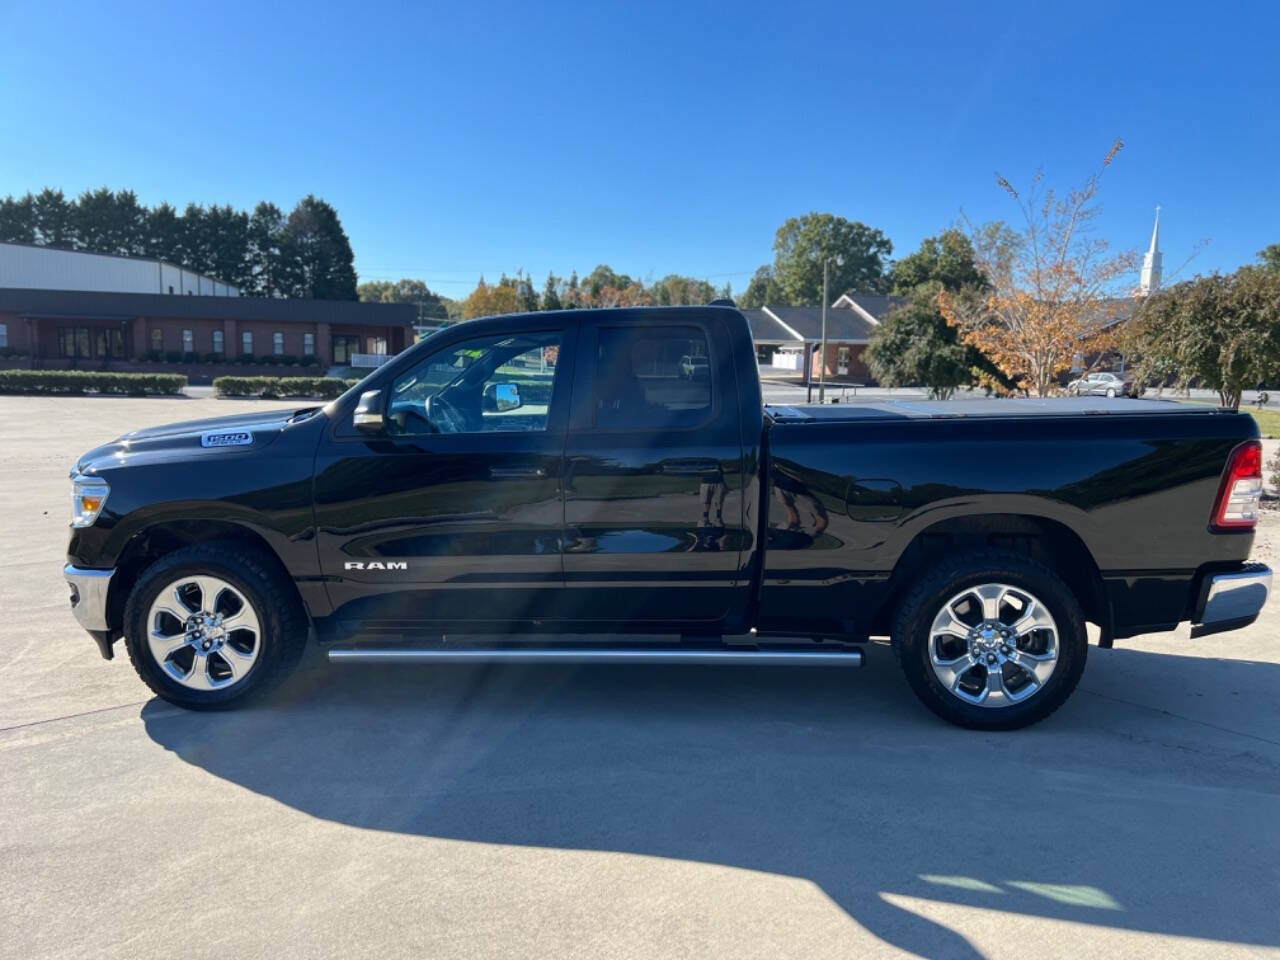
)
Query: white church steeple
[{"x": 1151, "y": 262}]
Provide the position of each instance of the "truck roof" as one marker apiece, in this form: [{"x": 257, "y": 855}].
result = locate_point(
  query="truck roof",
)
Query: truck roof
[{"x": 985, "y": 409}]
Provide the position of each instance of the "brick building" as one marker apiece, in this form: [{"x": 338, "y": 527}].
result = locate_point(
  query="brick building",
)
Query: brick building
[
  {"x": 61, "y": 329},
  {"x": 62, "y": 309}
]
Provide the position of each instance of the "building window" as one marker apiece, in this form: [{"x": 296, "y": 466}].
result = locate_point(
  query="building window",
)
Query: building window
[
  {"x": 188, "y": 341},
  {"x": 246, "y": 342},
  {"x": 73, "y": 342},
  {"x": 308, "y": 344},
  {"x": 217, "y": 341},
  {"x": 171, "y": 288},
  {"x": 344, "y": 347},
  {"x": 277, "y": 343},
  {"x": 108, "y": 343},
  {"x": 378, "y": 345},
  {"x": 4, "y": 335},
  {"x": 157, "y": 339}
]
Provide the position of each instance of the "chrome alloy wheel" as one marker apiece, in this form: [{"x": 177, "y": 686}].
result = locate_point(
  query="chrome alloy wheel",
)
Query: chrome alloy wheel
[
  {"x": 203, "y": 632},
  {"x": 993, "y": 645}
]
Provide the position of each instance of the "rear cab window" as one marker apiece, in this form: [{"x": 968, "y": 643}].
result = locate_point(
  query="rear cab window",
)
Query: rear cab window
[{"x": 653, "y": 377}]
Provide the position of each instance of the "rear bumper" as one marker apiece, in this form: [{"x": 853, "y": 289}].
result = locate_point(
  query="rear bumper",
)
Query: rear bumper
[{"x": 1232, "y": 600}]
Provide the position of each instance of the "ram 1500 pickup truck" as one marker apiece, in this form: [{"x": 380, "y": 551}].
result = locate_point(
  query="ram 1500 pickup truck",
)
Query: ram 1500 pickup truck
[{"x": 517, "y": 487}]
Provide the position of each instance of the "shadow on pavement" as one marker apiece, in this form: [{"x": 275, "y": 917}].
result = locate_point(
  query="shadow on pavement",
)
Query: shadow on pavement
[{"x": 1108, "y": 813}]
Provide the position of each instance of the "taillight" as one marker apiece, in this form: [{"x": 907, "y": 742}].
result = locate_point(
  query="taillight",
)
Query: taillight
[{"x": 1237, "y": 505}]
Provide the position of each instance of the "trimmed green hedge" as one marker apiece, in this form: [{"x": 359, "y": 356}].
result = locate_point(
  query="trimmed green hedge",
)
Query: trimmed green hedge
[
  {"x": 326, "y": 388},
  {"x": 81, "y": 381}
]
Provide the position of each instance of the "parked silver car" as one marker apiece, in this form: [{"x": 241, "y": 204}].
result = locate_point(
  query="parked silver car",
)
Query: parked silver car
[{"x": 1103, "y": 385}]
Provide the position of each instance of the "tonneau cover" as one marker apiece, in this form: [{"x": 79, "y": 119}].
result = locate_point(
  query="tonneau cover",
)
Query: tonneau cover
[{"x": 986, "y": 409}]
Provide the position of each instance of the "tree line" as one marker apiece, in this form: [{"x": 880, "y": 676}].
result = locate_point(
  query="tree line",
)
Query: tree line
[
  {"x": 602, "y": 287},
  {"x": 265, "y": 253}
]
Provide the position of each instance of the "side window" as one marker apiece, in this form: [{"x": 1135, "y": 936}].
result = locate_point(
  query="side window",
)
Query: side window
[
  {"x": 652, "y": 378},
  {"x": 500, "y": 384}
]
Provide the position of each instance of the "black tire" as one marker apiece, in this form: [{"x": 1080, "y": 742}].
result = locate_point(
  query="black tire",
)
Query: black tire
[
  {"x": 914, "y": 618},
  {"x": 275, "y": 602}
]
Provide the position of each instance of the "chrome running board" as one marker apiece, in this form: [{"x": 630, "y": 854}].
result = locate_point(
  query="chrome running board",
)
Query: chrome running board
[{"x": 514, "y": 654}]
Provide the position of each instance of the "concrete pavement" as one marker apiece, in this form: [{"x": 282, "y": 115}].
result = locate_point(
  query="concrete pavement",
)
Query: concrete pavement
[{"x": 617, "y": 812}]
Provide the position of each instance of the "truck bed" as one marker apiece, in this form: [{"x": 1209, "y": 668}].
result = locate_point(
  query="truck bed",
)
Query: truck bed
[{"x": 854, "y": 485}]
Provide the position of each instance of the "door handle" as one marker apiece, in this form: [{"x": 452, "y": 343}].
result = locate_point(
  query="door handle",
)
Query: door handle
[{"x": 516, "y": 473}]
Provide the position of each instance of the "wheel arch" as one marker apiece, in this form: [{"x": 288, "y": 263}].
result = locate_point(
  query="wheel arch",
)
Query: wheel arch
[
  {"x": 164, "y": 537},
  {"x": 1045, "y": 540}
]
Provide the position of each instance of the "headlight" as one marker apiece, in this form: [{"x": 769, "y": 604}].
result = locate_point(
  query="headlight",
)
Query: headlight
[{"x": 88, "y": 497}]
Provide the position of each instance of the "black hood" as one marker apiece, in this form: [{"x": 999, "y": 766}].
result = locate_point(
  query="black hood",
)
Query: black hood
[{"x": 191, "y": 439}]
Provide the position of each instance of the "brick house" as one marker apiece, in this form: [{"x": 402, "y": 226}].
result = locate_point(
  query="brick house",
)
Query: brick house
[{"x": 788, "y": 339}]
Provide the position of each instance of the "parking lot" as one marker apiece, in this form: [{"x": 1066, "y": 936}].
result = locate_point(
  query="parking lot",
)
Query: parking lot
[{"x": 647, "y": 812}]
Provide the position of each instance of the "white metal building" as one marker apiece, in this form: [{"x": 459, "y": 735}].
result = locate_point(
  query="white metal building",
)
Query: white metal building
[{"x": 45, "y": 268}]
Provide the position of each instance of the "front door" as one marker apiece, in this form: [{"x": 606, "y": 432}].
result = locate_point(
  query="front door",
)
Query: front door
[
  {"x": 654, "y": 521},
  {"x": 454, "y": 514}
]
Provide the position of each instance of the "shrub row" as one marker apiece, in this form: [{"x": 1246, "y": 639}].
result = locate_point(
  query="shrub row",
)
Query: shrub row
[
  {"x": 81, "y": 381},
  {"x": 326, "y": 388}
]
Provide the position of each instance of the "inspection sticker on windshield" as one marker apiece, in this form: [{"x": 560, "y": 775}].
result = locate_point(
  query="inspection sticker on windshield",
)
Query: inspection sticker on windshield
[{"x": 238, "y": 438}]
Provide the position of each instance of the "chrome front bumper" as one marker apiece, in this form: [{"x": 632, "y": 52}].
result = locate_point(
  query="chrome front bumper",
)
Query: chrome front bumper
[
  {"x": 89, "y": 595},
  {"x": 1233, "y": 600}
]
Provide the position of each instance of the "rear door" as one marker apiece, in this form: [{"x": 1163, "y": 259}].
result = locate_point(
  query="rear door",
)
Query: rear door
[
  {"x": 653, "y": 487},
  {"x": 454, "y": 514}
]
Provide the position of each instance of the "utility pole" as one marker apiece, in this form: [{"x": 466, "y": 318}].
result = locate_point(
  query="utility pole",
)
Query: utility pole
[
  {"x": 822, "y": 362},
  {"x": 822, "y": 370}
]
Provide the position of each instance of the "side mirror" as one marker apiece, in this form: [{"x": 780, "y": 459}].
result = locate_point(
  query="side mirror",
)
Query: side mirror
[
  {"x": 501, "y": 397},
  {"x": 368, "y": 415}
]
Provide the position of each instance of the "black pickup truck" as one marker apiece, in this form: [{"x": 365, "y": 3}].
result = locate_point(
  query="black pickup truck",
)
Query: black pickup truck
[{"x": 607, "y": 486}]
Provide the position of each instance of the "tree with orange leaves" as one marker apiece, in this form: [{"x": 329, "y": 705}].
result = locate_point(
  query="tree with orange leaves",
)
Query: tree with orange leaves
[
  {"x": 488, "y": 301},
  {"x": 1054, "y": 287}
]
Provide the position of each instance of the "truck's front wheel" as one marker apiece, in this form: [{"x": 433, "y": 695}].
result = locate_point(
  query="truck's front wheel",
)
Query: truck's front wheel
[
  {"x": 211, "y": 625},
  {"x": 991, "y": 641}
]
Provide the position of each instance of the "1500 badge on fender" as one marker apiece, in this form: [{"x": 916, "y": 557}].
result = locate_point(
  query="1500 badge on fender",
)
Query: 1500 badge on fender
[{"x": 237, "y": 438}]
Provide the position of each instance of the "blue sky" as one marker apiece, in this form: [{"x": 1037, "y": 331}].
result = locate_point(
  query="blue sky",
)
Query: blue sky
[{"x": 481, "y": 137}]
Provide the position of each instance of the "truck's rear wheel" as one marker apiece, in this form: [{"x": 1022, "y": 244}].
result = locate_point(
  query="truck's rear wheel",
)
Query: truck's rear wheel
[
  {"x": 211, "y": 625},
  {"x": 991, "y": 641}
]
